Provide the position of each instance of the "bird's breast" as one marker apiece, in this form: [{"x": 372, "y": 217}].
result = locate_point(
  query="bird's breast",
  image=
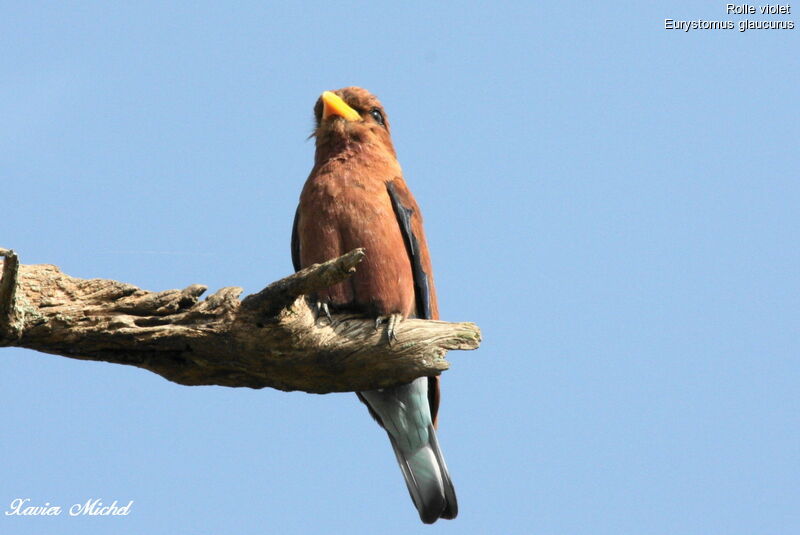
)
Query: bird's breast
[{"x": 346, "y": 205}]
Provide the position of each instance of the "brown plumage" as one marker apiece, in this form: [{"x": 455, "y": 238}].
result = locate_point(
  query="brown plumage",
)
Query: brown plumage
[
  {"x": 348, "y": 206},
  {"x": 355, "y": 197}
]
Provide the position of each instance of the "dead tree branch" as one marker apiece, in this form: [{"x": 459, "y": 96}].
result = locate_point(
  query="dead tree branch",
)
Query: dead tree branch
[
  {"x": 8, "y": 285},
  {"x": 269, "y": 339}
]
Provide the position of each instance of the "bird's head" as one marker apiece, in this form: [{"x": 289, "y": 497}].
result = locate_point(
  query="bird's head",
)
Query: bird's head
[{"x": 350, "y": 116}]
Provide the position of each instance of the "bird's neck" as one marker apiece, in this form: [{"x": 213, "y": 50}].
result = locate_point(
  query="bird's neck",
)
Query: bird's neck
[{"x": 353, "y": 152}]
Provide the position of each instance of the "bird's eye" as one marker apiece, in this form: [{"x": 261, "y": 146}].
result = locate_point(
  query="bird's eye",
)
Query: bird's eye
[{"x": 377, "y": 115}]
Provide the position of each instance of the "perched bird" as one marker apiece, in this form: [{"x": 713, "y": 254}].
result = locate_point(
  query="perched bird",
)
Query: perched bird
[{"x": 355, "y": 197}]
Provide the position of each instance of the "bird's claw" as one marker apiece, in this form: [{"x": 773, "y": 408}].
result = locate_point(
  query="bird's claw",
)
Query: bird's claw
[
  {"x": 392, "y": 321},
  {"x": 323, "y": 309}
]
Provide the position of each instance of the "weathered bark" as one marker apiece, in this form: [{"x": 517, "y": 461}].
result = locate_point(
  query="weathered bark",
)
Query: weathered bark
[{"x": 271, "y": 338}]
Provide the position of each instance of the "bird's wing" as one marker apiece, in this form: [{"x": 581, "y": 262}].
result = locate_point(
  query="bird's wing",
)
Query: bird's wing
[
  {"x": 410, "y": 220},
  {"x": 406, "y": 212},
  {"x": 296, "y": 242}
]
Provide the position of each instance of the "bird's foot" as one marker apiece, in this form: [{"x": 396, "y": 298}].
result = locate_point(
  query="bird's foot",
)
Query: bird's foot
[
  {"x": 392, "y": 321},
  {"x": 323, "y": 310}
]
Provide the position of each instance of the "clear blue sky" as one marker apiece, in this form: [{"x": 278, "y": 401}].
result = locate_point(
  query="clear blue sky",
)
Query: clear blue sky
[{"x": 616, "y": 205}]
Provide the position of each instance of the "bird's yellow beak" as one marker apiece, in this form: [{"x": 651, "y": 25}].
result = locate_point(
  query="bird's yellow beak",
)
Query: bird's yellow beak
[{"x": 332, "y": 104}]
